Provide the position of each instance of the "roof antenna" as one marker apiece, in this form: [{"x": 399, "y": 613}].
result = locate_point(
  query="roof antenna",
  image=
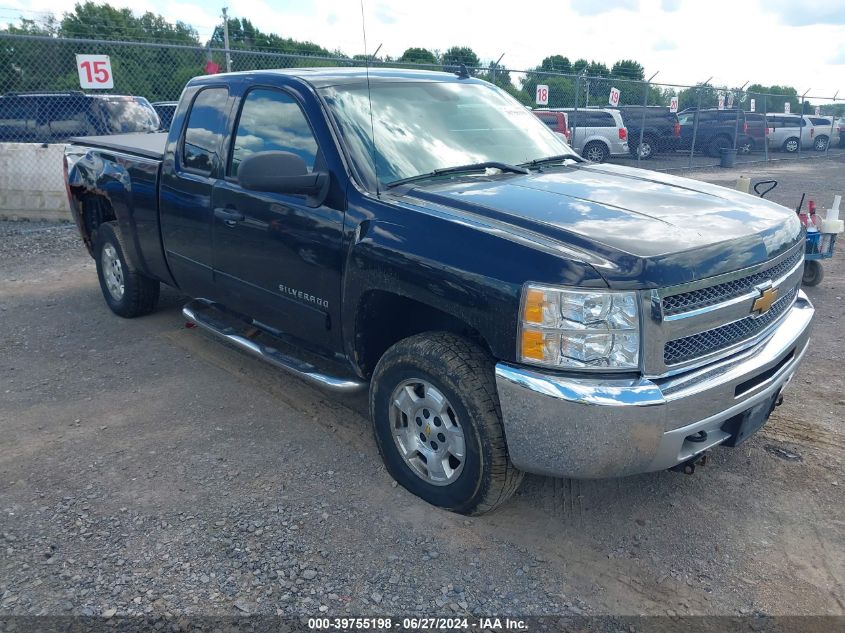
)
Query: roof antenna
[
  {"x": 462, "y": 73},
  {"x": 370, "y": 98}
]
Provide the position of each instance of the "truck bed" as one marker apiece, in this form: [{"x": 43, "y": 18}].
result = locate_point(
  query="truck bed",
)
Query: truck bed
[{"x": 139, "y": 144}]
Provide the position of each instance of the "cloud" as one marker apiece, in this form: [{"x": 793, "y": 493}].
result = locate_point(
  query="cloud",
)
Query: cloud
[
  {"x": 591, "y": 7},
  {"x": 385, "y": 14},
  {"x": 664, "y": 45},
  {"x": 670, "y": 5},
  {"x": 839, "y": 57},
  {"x": 804, "y": 14}
]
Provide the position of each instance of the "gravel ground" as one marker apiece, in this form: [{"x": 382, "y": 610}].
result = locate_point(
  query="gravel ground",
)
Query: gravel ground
[{"x": 147, "y": 469}]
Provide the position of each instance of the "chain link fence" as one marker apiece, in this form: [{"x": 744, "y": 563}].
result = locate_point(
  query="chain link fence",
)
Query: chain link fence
[{"x": 653, "y": 125}]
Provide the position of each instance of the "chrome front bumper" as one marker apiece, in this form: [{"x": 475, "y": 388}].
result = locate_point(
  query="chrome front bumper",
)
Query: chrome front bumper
[{"x": 567, "y": 426}]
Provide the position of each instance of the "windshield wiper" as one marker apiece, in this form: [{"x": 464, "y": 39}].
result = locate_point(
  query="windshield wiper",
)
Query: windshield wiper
[
  {"x": 490, "y": 164},
  {"x": 549, "y": 160}
]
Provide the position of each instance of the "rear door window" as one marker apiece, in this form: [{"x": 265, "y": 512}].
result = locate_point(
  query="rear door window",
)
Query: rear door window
[
  {"x": 204, "y": 132},
  {"x": 600, "y": 119}
]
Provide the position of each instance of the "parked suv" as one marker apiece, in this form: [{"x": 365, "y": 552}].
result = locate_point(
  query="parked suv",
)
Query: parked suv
[
  {"x": 597, "y": 134},
  {"x": 786, "y": 131},
  {"x": 716, "y": 130},
  {"x": 56, "y": 117},
  {"x": 826, "y": 132},
  {"x": 556, "y": 121},
  {"x": 660, "y": 129}
]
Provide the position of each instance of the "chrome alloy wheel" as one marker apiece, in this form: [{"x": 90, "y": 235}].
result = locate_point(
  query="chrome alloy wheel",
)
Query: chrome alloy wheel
[
  {"x": 427, "y": 432},
  {"x": 595, "y": 154},
  {"x": 113, "y": 272}
]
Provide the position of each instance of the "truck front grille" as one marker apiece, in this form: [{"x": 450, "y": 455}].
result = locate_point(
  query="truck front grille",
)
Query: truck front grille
[
  {"x": 725, "y": 336},
  {"x": 704, "y": 297}
]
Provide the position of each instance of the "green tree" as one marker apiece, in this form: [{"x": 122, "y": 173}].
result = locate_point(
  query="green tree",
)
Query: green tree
[
  {"x": 556, "y": 63},
  {"x": 418, "y": 56},
  {"x": 104, "y": 22},
  {"x": 460, "y": 55},
  {"x": 628, "y": 69},
  {"x": 773, "y": 98}
]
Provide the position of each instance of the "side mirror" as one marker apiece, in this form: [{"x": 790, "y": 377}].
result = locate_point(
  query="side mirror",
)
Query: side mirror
[{"x": 283, "y": 172}]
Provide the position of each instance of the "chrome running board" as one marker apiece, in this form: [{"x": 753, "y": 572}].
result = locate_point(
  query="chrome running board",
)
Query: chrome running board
[{"x": 202, "y": 314}]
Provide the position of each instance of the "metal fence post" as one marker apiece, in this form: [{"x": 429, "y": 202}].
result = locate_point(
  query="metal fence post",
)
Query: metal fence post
[
  {"x": 642, "y": 123},
  {"x": 695, "y": 126},
  {"x": 832, "y": 123},
  {"x": 766, "y": 131}
]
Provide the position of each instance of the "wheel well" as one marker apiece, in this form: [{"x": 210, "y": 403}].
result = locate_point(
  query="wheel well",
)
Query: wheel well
[
  {"x": 94, "y": 210},
  {"x": 384, "y": 318}
]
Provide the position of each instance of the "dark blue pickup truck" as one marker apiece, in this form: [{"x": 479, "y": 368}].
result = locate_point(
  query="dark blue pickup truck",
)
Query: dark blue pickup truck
[{"x": 510, "y": 307}]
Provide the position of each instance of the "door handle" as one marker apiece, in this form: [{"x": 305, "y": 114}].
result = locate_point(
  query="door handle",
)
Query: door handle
[{"x": 229, "y": 217}]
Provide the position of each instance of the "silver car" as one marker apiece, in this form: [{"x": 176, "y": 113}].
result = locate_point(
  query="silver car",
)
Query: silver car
[
  {"x": 787, "y": 131},
  {"x": 827, "y": 132},
  {"x": 597, "y": 134}
]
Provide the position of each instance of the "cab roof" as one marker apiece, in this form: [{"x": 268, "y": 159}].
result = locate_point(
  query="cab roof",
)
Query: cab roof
[{"x": 322, "y": 77}]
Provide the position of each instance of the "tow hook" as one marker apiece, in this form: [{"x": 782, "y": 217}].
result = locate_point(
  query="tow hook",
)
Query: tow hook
[
  {"x": 779, "y": 399},
  {"x": 688, "y": 467}
]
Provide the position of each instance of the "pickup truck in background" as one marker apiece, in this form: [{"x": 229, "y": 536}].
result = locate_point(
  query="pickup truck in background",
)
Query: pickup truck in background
[{"x": 508, "y": 306}]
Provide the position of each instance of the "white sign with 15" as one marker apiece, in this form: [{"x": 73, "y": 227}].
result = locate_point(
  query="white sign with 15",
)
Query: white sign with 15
[{"x": 95, "y": 72}]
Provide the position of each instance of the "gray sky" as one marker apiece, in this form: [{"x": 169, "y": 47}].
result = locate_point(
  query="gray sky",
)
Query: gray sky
[{"x": 765, "y": 41}]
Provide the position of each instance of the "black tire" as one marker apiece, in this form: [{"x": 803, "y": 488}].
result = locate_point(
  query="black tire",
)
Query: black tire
[
  {"x": 139, "y": 294},
  {"x": 595, "y": 152},
  {"x": 820, "y": 144},
  {"x": 790, "y": 145},
  {"x": 462, "y": 373},
  {"x": 745, "y": 146},
  {"x": 813, "y": 273},
  {"x": 717, "y": 144},
  {"x": 647, "y": 149}
]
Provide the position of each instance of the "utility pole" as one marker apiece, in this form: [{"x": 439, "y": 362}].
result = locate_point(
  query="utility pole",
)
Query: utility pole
[{"x": 226, "y": 39}]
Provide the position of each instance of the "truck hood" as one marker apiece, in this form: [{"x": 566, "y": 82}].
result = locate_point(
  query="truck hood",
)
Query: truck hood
[{"x": 637, "y": 228}]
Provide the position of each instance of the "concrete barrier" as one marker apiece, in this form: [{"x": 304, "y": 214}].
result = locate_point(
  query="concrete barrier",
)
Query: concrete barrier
[{"x": 32, "y": 182}]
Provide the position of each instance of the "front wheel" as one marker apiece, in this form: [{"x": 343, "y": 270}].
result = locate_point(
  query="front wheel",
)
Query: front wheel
[
  {"x": 596, "y": 152},
  {"x": 745, "y": 146},
  {"x": 438, "y": 425},
  {"x": 128, "y": 292},
  {"x": 813, "y": 273},
  {"x": 820, "y": 144},
  {"x": 790, "y": 145}
]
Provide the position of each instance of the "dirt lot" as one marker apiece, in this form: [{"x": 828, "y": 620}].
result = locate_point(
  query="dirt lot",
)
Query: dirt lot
[{"x": 147, "y": 469}]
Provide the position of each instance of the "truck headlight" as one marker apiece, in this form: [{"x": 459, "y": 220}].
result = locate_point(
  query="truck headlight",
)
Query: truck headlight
[{"x": 579, "y": 329}]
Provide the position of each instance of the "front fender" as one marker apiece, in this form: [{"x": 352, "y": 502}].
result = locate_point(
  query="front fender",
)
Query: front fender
[{"x": 469, "y": 270}]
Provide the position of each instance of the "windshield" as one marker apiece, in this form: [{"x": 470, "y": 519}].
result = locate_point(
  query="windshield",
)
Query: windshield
[
  {"x": 128, "y": 114},
  {"x": 423, "y": 126}
]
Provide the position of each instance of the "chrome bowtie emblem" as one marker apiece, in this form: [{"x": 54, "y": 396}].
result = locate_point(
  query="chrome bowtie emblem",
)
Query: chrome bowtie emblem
[{"x": 764, "y": 302}]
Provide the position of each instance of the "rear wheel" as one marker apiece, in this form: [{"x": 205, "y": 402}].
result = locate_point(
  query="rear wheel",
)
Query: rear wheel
[
  {"x": 596, "y": 152},
  {"x": 647, "y": 149},
  {"x": 746, "y": 146},
  {"x": 820, "y": 144},
  {"x": 813, "y": 273},
  {"x": 790, "y": 145},
  {"x": 438, "y": 425},
  {"x": 717, "y": 144},
  {"x": 128, "y": 292}
]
